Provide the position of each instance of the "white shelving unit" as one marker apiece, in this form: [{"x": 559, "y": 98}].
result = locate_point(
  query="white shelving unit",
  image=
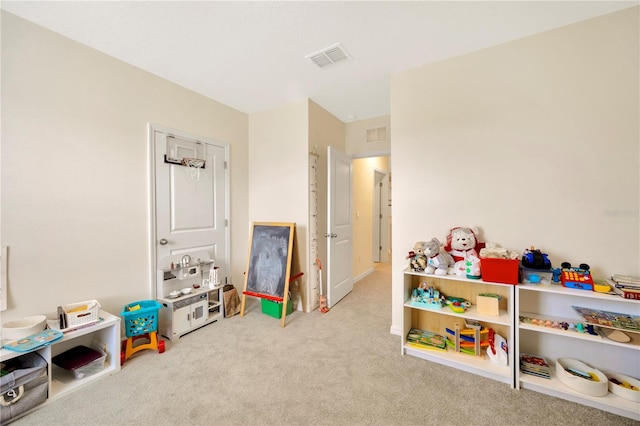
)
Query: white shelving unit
[
  {"x": 105, "y": 334},
  {"x": 437, "y": 320},
  {"x": 555, "y": 303}
]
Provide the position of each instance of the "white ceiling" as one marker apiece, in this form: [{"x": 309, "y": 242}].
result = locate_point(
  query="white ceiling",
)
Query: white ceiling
[{"x": 251, "y": 55}]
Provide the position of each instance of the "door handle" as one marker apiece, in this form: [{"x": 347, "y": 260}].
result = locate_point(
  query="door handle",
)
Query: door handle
[
  {"x": 332, "y": 235},
  {"x": 163, "y": 241}
]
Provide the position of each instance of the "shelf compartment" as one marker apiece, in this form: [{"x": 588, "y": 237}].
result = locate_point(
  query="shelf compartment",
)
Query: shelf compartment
[
  {"x": 191, "y": 265},
  {"x": 571, "y": 292},
  {"x": 471, "y": 313},
  {"x": 633, "y": 344},
  {"x": 467, "y": 289},
  {"x": 555, "y": 387},
  {"x": 479, "y": 365},
  {"x": 194, "y": 292}
]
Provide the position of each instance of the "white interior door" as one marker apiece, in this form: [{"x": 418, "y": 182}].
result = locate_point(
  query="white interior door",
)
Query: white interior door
[
  {"x": 190, "y": 206},
  {"x": 377, "y": 215},
  {"x": 339, "y": 226},
  {"x": 381, "y": 217}
]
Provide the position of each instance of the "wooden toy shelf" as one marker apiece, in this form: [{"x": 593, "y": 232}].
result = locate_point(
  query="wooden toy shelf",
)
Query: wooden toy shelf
[{"x": 438, "y": 320}]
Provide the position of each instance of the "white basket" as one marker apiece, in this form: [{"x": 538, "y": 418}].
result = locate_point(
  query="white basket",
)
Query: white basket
[
  {"x": 86, "y": 316},
  {"x": 589, "y": 387}
]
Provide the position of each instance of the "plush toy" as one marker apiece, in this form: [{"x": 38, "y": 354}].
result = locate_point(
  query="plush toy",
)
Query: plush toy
[
  {"x": 413, "y": 261},
  {"x": 472, "y": 266},
  {"x": 439, "y": 262},
  {"x": 418, "y": 261},
  {"x": 462, "y": 243}
]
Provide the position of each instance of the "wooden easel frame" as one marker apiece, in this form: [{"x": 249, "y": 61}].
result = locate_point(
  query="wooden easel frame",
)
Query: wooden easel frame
[{"x": 271, "y": 232}]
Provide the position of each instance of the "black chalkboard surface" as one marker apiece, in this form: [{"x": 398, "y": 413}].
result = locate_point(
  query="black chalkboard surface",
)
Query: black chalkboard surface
[{"x": 269, "y": 261}]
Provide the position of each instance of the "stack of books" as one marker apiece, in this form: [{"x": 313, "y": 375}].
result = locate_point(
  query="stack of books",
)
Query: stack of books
[
  {"x": 423, "y": 339},
  {"x": 626, "y": 286},
  {"x": 535, "y": 365}
]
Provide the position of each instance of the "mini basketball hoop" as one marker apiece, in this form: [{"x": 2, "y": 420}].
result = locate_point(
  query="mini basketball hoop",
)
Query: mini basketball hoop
[{"x": 193, "y": 166}]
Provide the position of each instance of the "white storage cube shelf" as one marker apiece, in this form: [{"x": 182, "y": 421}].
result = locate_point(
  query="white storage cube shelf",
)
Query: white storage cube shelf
[{"x": 105, "y": 334}]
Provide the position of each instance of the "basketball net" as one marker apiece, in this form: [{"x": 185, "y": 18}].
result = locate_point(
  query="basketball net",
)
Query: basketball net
[{"x": 193, "y": 167}]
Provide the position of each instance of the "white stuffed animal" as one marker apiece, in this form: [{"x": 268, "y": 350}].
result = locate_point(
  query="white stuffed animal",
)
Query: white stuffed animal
[
  {"x": 439, "y": 262},
  {"x": 462, "y": 243}
]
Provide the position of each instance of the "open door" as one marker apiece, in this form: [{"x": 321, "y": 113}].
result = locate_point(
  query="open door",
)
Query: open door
[{"x": 339, "y": 226}]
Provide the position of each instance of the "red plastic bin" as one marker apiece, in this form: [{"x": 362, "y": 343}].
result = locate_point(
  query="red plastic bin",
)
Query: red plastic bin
[{"x": 500, "y": 270}]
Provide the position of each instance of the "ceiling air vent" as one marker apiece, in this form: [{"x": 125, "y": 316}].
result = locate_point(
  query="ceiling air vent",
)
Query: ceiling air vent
[
  {"x": 330, "y": 56},
  {"x": 377, "y": 134}
]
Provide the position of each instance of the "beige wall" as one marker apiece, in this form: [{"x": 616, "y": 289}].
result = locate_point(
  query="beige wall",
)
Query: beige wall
[
  {"x": 356, "y": 137},
  {"x": 278, "y": 156},
  {"x": 75, "y": 179},
  {"x": 534, "y": 141},
  {"x": 280, "y": 141},
  {"x": 367, "y": 157}
]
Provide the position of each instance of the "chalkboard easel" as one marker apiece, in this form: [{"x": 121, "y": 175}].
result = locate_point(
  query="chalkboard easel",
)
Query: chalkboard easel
[{"x": 269, "y": 263}]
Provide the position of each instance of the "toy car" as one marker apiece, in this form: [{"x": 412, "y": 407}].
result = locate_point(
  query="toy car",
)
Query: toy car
[{"x": 535, "y": 259}]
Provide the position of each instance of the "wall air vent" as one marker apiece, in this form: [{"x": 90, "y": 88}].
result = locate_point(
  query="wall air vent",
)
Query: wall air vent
[
  {"x": 377, "y": 134},
  {"x": 330, "y": 56}
]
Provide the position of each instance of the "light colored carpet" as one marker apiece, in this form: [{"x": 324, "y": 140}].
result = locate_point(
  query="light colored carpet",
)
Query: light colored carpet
[{"x": 338, "y": 368}]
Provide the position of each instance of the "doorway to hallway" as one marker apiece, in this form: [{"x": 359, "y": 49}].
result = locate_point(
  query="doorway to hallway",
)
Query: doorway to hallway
[{"x": 372, "y": 214}]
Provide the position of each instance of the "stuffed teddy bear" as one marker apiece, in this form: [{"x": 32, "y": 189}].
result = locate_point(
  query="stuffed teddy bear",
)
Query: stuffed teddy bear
[
  {"x": 462, "y": 244},
  {"x": 439, "y": 262},
  {"x": 418, "y": 261}
]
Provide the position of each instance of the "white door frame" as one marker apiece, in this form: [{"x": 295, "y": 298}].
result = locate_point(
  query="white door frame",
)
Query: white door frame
[{"x": 151, "y": 128}]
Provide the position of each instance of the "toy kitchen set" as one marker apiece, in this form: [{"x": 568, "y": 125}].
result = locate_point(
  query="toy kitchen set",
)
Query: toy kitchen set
[{"x": 190, "y": 291}]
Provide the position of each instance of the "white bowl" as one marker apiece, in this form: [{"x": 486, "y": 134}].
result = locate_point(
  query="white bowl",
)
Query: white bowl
[
  {"x": 14, "y": 330},
  {"x": 589, "y": 387},
  {"x": 626, "y": 393},
  {"x": 175, "y": 294},
  {"x": 186, "y": 290}
]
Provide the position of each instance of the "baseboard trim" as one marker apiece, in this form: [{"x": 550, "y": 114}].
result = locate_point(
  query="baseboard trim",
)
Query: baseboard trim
[
  {"x": 362, "y": 275},
  {"x": 396, "y": 330}
]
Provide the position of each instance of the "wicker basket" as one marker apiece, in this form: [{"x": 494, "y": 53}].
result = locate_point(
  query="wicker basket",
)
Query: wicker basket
[{"x": 77, "y": 316}]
